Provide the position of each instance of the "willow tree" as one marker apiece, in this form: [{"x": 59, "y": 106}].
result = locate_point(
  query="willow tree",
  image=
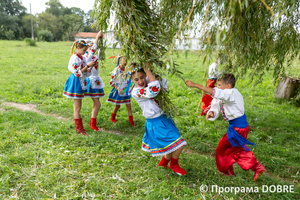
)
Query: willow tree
[{"x": 256, "y": 36}]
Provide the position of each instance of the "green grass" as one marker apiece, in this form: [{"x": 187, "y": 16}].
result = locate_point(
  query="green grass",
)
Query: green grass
[{"x": 42, "y": 157}]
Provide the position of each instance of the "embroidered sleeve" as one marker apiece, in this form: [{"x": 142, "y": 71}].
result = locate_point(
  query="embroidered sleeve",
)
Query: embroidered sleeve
[
  {"x": 226, "y": 94},
  {"x": 113, "y": 77},
  {"x": 94, "y": 49},
  {"x": 75, "y": 67},
  {"x": 148, "y": 92}
]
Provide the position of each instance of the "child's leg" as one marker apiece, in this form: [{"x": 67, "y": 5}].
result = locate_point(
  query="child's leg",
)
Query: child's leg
[
  {"x": 128, "y": 106},
  {"x": 117, "y": 107},
  {"x": 174, "y": 162},
  {"x": 77, "y": 108},
  {"x": 225, "y": 156},
  {"x": 77, "y": 117},
  {"x": 114, "y": 113},
  {"x": 247, "y": 160},
  {"x": 167, "y": 158},
  {"x": 96, "y": 107},
  {"x": 173, "y": 157}
]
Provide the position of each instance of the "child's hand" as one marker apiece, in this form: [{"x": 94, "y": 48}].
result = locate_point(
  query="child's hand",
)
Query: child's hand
[
  {"x": 120, "y": 91},
  {"x": 92, "y": 64},
  {"x": 100, "y": 34},
  {"x": 209, "y": 115},
  {"x": 189, "y": 83}
]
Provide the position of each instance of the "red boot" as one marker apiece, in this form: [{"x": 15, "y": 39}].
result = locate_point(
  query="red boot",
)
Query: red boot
[
  {"x": 131, "y": 120},
  {"x": 79, "y": 127},
  {"x": 175, "y": 167},
  {"x": 259, "y": 169},
  {"x": 164, "y": 162},
  {"x": 93, "y": 124},
  {"x": 113, "y": 118},
  {"x": 229, "y": 173}
]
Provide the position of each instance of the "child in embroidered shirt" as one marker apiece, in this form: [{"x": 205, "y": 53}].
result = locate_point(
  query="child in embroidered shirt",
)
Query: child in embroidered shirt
[
  {"x": 213, "y": 74},
  {"x": 119, "y": 81},
  {"x": 95, "y": 84},
  {"x": 76, "y": 84},
  {"x": 161, "y": 134},
  {"x": 232, "y": 147}
]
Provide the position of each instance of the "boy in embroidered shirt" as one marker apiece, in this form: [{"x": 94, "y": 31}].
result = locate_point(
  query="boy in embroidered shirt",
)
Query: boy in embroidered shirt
[
  {"x": 232, "y": 147},
  {"x": 161, "y": 134}
]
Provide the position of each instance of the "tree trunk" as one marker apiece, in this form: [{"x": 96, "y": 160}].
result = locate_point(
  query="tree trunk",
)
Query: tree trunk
[{"x": 287, "y": 87}]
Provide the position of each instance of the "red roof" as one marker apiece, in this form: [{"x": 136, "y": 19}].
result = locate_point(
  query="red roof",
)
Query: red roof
[{"x": 86, "y": 35}]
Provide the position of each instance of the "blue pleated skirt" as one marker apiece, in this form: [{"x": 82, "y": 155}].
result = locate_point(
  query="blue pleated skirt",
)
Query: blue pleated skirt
[
  {"x": 73, "y": 88},
  {"x": 117, "y": 99},
  {"x": 161, "y": 136},
  {"x": 93, "y": 92}
]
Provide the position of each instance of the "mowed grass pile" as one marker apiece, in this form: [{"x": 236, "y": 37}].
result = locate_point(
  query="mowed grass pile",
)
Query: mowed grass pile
[{"x": 43, "y": 157}]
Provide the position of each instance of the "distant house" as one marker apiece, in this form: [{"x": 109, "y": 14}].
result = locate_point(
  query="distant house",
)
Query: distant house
[{"x": 85, "y": 36}]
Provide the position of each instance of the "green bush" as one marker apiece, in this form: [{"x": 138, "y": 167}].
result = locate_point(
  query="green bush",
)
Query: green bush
[
  {"x": 30, "y": 42},
  {"x": 10, "y": 35},
  {"x": 45, "y": 36}
]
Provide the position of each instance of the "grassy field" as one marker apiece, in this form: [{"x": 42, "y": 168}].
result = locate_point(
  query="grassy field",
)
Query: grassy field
[{"x": 42, "y": 157}]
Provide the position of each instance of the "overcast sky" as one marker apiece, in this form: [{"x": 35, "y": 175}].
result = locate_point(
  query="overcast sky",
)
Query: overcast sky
[{"x": 38, "y": 6}]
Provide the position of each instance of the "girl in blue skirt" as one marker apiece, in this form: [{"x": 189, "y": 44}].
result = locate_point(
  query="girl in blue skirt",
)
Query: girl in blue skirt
[
  {"x": 119, "y": 81},
  {"x": 162, "y": 137},
  {"x": 76, "y": 84},
  {"x": 95, "y": 84}
]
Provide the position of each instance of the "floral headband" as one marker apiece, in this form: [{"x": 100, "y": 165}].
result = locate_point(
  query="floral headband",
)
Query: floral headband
[
  {"x": 83, "y": 43},
  {"x": 133, "y": 70},
  {"x": 90, "y": 43},
  {"x": 74, "y": 46}
]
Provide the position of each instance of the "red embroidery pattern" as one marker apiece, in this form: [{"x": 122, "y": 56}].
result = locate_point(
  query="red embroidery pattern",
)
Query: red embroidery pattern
[
  {"x": 97, "y": 82},
  {"x": 223, "y": 112}
]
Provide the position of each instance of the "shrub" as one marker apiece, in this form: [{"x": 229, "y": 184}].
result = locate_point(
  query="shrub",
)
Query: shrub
[
  {"x": 45, "y": 36},
  {"x": 30, "y": 42}
]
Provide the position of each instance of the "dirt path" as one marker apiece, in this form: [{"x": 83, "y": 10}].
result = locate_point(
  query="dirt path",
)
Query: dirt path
[{"x": 32, "y": 108}]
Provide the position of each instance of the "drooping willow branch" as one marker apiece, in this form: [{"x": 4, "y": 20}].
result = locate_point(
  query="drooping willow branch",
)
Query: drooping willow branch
[{"x": 252, "y": 39}]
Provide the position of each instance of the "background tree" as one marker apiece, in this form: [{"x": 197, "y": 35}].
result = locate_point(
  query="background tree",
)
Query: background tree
[
  {"x": 55, "y": 8},
  {"x": 73, "y": 25},
  {"x": 11, "y": 18},
  {"x": 62, "y": 22},
  {"x": 88, "y": 22}
]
